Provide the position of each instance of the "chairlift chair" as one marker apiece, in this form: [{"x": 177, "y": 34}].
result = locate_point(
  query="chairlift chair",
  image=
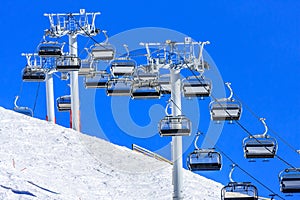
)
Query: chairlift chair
[
  {"x": 33, "y": 74},
  {"x": 119, "y": 87},
  {"x": 175, "y": 126},
  {"x": 68, "y": 63},
  {"x": 63, "y": 103},
  {"x": 86, "y": 68},
  {"x": 260, "y": 146},
  {"x": 255, "y": 147},
  {"x": 99, "y": 80},
  {"x": 103, "y": 52},
  {"x": 145, "y": 90},
  {"x": 204, "y": 160},
  {"x": 196, "y": 87},
  {"x": 225, "y": 108},
  {"x": 289, "y": 180},
  {"x": 22, "y": 110},
  {"x": 239, "y": 191},
  {"x": 122, "y": 67},
  {"x": 50, "y": 49}
]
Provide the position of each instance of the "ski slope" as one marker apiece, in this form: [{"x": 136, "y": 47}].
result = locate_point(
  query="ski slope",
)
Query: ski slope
[{"x": 39, "y": 160}]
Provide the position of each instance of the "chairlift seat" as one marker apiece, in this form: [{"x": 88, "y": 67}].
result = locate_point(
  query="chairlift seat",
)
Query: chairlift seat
[
  {"x": 33, "y": 74},
  {"x": 118, "y": 87},
  {"x": 68, "y": 63},
  {"x": 122, "y": 67},
  {"x": 175, "y": 126},
  {"x": 221, "y": 111},
  {"x": 145, "y": 90},
  {"x": 239, "y": 191},
  {"x": 196, "y": 88},
  {"x": 50, "y": 50},
  {"x": 24, "y": 110},
  {"x": 86, "y": 69},
  {"x": 100, "y": 80},
  {"x": 64, "y": 103},
  {"x": 259, "y": 147},
  {"x": 204, "y": 160},
  {"x": 103, "y": 52},
  {"x": 290, "y": 181}
]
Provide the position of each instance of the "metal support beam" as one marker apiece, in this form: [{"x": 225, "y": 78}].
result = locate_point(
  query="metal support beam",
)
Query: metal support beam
[
  {"x": 73, "y": 50},
  {"x": 176, "y": 140},
  {"x": 50, "y": 98}
]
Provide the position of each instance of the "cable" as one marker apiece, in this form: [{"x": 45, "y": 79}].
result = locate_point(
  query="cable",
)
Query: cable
[
  {"x": 36, "y": 96},
  {"x": 274, "y": 132},
  {"x": 238, "y": 123}
]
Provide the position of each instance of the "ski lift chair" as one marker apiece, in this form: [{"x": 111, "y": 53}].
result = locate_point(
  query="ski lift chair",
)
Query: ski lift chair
[
  {"x": 122, "y": 67},
  {"x": 196, "y": 87},
  {"x": 260, "y": 146},
  {"x": 203, "y": 159},
  {"x": 145, "y": 90},
  {"x": 50, "y": 49},
  {"x": 86, "y": 68},
  {"x": 238, "y": 190},
  {"x": 226, "y": 108},
  {"x": 175, "y": 126},
  {"x": 33, "y": 74},
  {"x": 22, "y": 110},
  {"x": 68, "y": 63},
  {"x": 99, "y": 80},
  {"x": 63, "y": 103},
  {"x": 119, "y": 87},
  {"x": 103, "y": 51},
  {"x": 289, "y": 180}
]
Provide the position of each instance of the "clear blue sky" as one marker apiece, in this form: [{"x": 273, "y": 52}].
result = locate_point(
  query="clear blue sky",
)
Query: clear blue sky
[{"x": 254, "y": 44}]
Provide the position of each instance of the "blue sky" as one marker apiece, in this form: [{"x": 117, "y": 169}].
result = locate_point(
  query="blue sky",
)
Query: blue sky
[{"x": 254, "y": 44}]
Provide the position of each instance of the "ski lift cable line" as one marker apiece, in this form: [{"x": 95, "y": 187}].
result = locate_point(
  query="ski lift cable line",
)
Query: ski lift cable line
[
  {"x": 241, "y": 168},
  {"x": 240, "y": 125},
  {"x": 36, "y": 96},
  {"x": 272, "y": 130},
  {"x": 248, "y": 174}
]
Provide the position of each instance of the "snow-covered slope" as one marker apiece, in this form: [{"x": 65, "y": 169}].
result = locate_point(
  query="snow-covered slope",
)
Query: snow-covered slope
[{"x": 39, "y": 160}]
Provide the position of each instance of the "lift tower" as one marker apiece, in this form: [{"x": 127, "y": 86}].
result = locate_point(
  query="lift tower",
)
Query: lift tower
[{"x": 73, "y": 24}]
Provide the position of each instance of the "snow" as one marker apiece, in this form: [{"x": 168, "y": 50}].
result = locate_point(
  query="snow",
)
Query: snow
[{"x": 40, "y": 160}]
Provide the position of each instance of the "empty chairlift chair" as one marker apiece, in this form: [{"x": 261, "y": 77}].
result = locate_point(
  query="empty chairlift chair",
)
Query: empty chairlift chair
[
  {"x": 122, "y": 67},
  {"x": 175, "y": 126},
  {"x": 238, "y": 190},
  {"x": 99, "y": 80},
  {"x": 226, "y": 108},
  {"x": 50, "y": 49},
  {"x": 203, "y": 159},
  {"x": 196, "y": 87},
  {"x": 103, "y": 51},
  {"x": 22, "y": 110},
  {"x": 63, "y": 103},
  {"x": 260, "y": 146},
  {"x": 119, "y": 87},
  {"x": 68, "y": 63},
  {"x": 289, "y": 180},
  {"x": 145, "y": 90},
  {"x": 33, "y": 74},
  {"x": 87, "y": 68}
]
